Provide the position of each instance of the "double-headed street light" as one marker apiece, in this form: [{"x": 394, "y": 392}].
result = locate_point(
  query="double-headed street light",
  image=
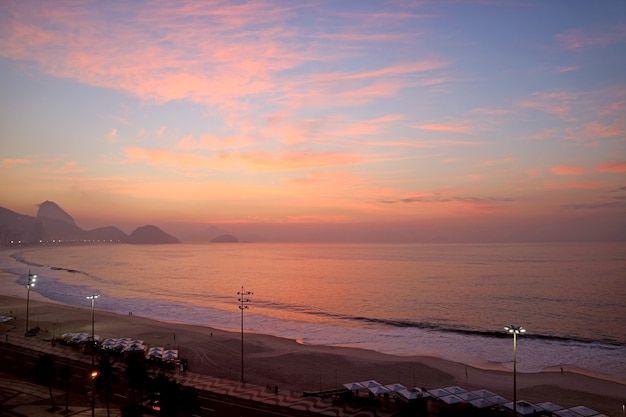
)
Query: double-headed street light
[
  {"x": 515, "y": 330},
  {"x": 243, "y": 300},
  {"x": 31, "y": 283},
  {"x": 93, "y": 340}
]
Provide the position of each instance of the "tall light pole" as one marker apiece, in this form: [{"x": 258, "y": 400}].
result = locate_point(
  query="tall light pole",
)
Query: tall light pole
[
  {"x": 31, "y": 283},
  {"x": 243, "y": 301},
  {"x": 515, "y": 330},
  {"x": 93, "y": 340}
]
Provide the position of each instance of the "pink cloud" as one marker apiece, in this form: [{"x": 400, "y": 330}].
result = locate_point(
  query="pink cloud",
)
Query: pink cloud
[
  {"x": 615, "y": 167},
  {"x": 11, "y": 162},
  {"x": 459, "y": 127},
  {"x": 71, "y": 167},
  {"x": 213, "y": 55},
  {"x": 597, "y": 130},
  {"x": 257, "y": 160},
  {"x": 568, "y": 170},
  {"x": 418, "y": 143},
  {"x": 216, "y": 143},
  {"x": 296, "y": 160},
  {"x": 129, "y": 58},
  {"x": 584, "y": 185},
  {"x": 576, "y": 39},
  {"x": 568, "y": 69},
  {"x": 556, "y": 103},
  {"x": 400, "y": 69},
  {"x": 165, "y": 157}
]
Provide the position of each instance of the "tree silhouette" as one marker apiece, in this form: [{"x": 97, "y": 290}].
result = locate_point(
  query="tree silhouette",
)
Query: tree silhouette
[
  {"x": 44, "y": 374},
  {"x": 189, "y": 401},
  {"x": 167, "y": 390},
  {"x": 136, "y": 373},
  {"x": 66, "y": 378},
  {"x": 105, "y": 378}
]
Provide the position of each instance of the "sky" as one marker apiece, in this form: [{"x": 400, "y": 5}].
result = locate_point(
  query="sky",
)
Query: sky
[{"x": 319, "y": 120}]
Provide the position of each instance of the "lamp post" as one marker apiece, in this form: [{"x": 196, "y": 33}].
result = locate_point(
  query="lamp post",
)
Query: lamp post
[
  {"x": 31, "y": 283},
  {"x": 242, "y": 306},
  {"x": 93, "y": 340},
  {"x": 515, "y": 330}
]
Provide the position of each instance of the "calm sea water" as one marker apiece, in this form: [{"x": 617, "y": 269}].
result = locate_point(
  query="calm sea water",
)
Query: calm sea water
[{"x": 446, "y": 300}]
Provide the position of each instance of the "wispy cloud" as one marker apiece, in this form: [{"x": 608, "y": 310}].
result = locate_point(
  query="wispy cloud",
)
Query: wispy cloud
[
  {"x": 596, "y": 206},
  {"x": 253, "y": 160},
  {"x": 11, "y": 162},
  {"x": 556, "y": 103},
  {"x": 579, "y": 39},
  {"x": 614, "y": 167},
  {"x": 582, "y": 185},
  {"x": 568, "y": 170},
  {"x": 570, "y": 68},
  {"x": 458, "y": 127}
]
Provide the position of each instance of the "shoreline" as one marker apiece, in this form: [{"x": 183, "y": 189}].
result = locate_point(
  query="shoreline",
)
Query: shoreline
[{"x": 300, "y": 367}]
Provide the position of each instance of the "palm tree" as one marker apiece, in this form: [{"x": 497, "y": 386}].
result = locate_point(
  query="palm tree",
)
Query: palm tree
[
  {"x": 66, "y": 378},
  {"x": 189, "y": 401},
  {"x": 168, "y": 391},
  {"x": 44, "y": 374},
  {"x": 136, "y": 373},
  {"x": 105, "y": 378}
]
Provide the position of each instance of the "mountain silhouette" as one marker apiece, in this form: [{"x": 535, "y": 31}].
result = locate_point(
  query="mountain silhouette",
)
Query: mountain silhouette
[{"x": 53, "y": 225}]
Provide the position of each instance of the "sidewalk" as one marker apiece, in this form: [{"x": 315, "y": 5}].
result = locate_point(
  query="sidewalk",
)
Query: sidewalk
[{"x": 22, "y": 396}]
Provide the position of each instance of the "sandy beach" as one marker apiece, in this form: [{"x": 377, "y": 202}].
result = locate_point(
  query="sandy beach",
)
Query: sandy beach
[{"x": 297, "y": 368}]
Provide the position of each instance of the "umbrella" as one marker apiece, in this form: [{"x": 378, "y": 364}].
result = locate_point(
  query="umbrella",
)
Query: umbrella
[
  {"x": 451, "y": 399},
  {"x": 455, "y": 390},
  {"x": 155, "y": 352},
  {"x": 134, "y": 347},
  {"x": 566, "y": 413},
  {"x": 353, "y": 386},
  {"x": 584, "y": 411},
  {"x": 412, "y": 394},
  {"x": 496, "y": 399},
  {"x": 483, "y": 393},
  {"x": 438, "y": 392},
  {"x": 481, "y": 403},
  {"x": 395, "y": 387},
  {"x": 548, "y": 406},
  {"x": 170, "y": 355},
  {"x": 369, "y": 384},
  {"x": 468, "y": 396},
  {"x": 109, "y": 342},
  {"x": 523, "y": 407},
  {"x": 379, "y": 390}
]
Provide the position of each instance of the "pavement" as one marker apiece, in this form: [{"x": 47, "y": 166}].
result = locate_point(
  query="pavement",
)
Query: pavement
[{"x": 25, "y": 399}]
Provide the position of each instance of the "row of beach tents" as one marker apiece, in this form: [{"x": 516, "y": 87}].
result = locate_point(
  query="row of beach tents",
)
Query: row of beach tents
[
  {"x": 122, "y": 345},
  {"x": 479, "y": 398}
]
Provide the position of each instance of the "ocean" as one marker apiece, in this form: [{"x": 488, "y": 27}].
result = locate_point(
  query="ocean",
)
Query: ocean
[{"x": 446, "y": 300}]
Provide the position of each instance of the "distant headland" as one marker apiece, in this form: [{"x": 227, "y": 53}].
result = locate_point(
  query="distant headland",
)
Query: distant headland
[{"x": 53, "y": 225}]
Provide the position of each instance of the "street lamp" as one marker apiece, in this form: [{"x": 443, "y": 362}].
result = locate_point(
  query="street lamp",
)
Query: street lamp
[
  {"x": 515, "y": 330},
  {"x": 242, "y": 306},
  {"x": 93, "y": 340},
  {"x": 31, "y": 283}
]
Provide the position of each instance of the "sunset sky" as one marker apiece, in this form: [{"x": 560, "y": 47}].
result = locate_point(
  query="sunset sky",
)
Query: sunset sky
[{"x": 319, "y": 120}]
